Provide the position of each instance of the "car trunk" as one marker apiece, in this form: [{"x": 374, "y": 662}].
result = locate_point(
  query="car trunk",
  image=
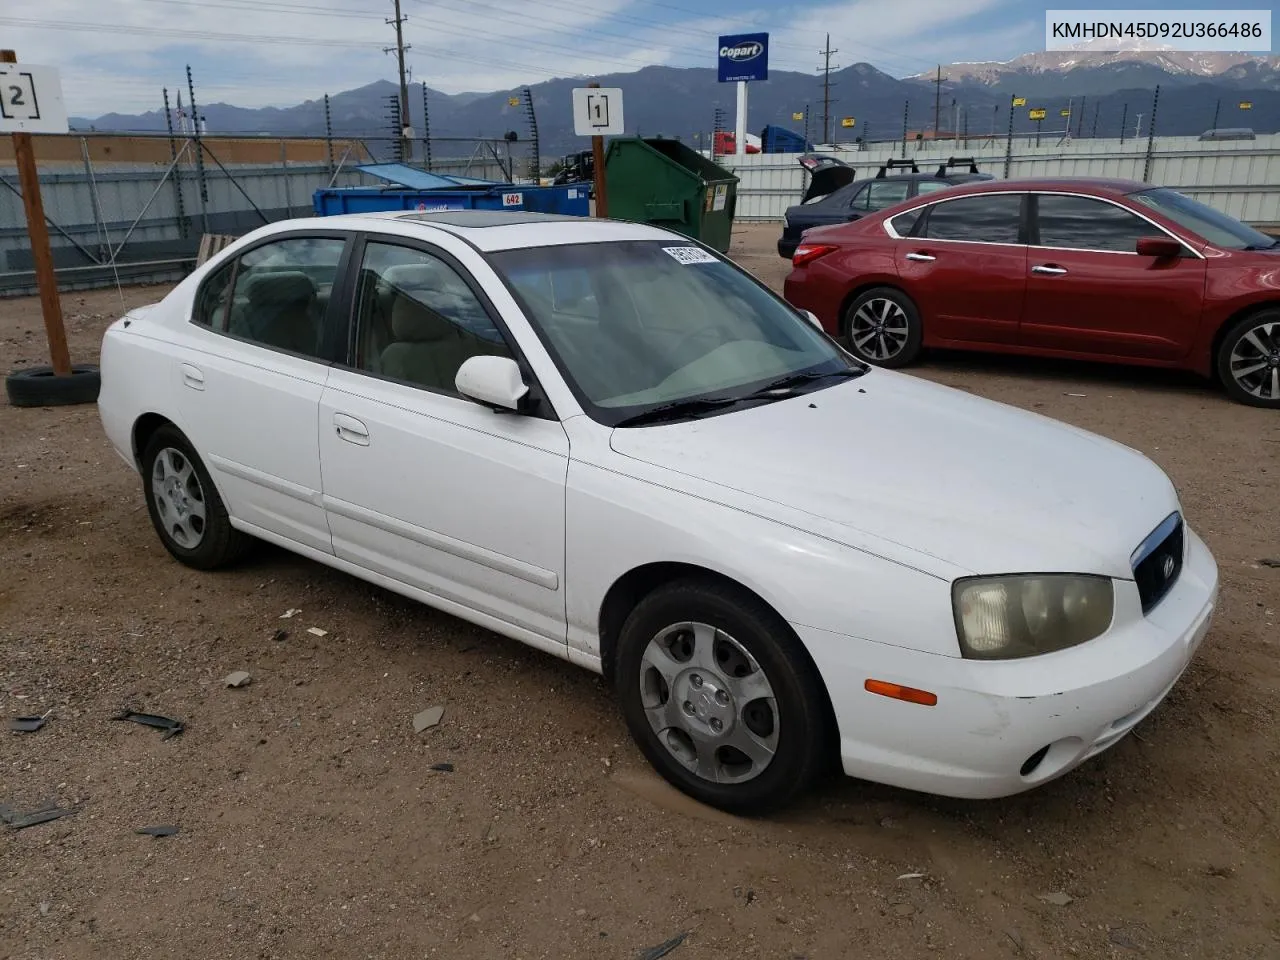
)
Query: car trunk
[{"x": 827, "y": 174}]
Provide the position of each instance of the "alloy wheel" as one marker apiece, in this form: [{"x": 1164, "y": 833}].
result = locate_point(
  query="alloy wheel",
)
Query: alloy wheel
[
  {"x": 1255, "y": 361},
  {"x": 879, "y": 329}
]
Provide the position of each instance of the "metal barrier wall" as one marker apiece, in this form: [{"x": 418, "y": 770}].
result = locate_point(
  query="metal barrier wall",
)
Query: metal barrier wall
[
  {"x": 141, "y": 222},
  {"x": 1241, "y": 177}
]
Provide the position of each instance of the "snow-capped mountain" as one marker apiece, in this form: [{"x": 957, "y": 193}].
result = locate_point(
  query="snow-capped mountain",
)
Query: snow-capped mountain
[{"x": 1190, "y": 67}]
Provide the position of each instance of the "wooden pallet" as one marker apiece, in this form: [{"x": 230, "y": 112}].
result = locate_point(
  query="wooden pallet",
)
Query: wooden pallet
[{"x": 211, "y": 244}]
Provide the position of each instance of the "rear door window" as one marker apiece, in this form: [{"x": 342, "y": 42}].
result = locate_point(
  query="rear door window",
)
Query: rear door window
[{"x": 984, "y": 218}]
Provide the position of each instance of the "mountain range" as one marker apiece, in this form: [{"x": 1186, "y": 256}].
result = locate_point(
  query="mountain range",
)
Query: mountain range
[{"x": 1197, "y": 91}]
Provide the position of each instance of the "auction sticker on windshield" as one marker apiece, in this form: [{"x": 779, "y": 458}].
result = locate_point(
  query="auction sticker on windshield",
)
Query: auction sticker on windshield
[{"x": 689, "y": 255}]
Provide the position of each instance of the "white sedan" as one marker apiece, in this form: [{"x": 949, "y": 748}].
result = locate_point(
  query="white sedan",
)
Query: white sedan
[{"x": 612, "y": 444}]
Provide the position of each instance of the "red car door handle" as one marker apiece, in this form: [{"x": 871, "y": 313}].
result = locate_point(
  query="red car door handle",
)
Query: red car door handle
[
  {"x": 923, "y": 257},
  {"x": 1049, "y": 268}
]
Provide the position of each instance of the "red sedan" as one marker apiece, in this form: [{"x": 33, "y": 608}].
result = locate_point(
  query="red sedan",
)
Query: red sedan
[{"x": 1108, "y": 270}]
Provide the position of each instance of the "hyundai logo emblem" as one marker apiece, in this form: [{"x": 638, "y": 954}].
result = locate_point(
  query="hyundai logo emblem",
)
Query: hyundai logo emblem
[
  {"x": 743, "y": 51},
  {"x": 1167, "y": 567}
]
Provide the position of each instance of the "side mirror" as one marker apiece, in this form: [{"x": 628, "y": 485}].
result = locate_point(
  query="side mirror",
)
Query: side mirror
[
  {"x": 1159, "y": 247},
  {"x": 494, "y": 381},
  {"x": 813, "y": 319}
]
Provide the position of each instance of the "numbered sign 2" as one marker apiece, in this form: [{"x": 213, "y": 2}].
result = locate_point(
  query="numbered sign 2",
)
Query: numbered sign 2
[
  {"x": 31, "y": 100},
  {"x": 597, "y": 111}
]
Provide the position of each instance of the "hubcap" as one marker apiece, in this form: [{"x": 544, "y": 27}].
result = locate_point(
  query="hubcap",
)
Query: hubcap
[
  {"x": 179, "y": 498},
  {"x": 879, "y": 329},
  {"x": 1255, "y": 361},
  {"x": 709, "y": 702}
]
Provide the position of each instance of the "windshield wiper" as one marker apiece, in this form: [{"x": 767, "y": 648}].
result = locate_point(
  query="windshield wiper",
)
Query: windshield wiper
[
  {"x": 679, "y": 409},
  {"x": 1270, "y": 246},
  {"x": 796, "y": 379}
]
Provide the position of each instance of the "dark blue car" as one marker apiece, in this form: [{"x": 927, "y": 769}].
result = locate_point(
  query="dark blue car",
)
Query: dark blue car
[{"x": 834, "y": 196}]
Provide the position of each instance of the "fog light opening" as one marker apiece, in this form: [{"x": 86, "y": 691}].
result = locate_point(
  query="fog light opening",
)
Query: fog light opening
[{"x": 1033, "y": 761}]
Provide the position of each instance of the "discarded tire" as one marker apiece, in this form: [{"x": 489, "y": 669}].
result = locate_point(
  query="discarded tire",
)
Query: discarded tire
[{"x": 40, "y": 387}]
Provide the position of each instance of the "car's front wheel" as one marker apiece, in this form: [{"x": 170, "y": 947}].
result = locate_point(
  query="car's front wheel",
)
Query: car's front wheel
[
  {"x": 883, "y": 327},
  {"x": 720, "y": 696},
  {"x": 184, "y": 506},
  {"x": 1249, "y": 359}
]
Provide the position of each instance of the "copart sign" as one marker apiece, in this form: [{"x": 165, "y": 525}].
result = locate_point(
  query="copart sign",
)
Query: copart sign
[{"x": 744, "y": 57}]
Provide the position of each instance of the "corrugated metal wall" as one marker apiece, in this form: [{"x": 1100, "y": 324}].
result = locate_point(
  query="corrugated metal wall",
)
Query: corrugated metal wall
[
  {"x": 1240, "y": 177},
  {"x": 163, "y": 245}
]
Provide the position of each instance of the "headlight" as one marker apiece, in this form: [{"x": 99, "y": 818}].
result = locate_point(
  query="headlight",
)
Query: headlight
[{"x": 1003, "y": 618}]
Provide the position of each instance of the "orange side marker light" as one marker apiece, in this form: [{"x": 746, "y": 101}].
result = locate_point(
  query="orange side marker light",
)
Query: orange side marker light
[{"x": 898, "y": 692}]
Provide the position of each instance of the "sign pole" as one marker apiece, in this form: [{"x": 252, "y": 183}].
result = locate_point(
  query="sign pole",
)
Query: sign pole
[
  {"x": 740, "y": 128},
  {"x": 597, "y": 170},
  {"x": 41, "y": 255}
]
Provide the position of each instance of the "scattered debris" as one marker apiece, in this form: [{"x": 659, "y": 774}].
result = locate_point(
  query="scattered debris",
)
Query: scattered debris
[
  {"x": 1075, "y": 394},
  {"x": 44, "y": 908},
  {"x": 427, "y": 718},
  {"x": 317, "y": 632},
  {"x": 443, "y": 767},
  {"x": 1120, "y": 938},
  {"x": 1058, "y": 899},
  {"x": 163, "y": 830},
  {"x": 1221, "y": 873},
  {"x": 290, "y": 613},
  {"x": 28, "y": 724},
  {"x": 1269, "y": 562},
  {"x": 662, "y": 949},
  {"x": 1015, "y": 938},
  {"x": 237, "y": 679},
  {"x": 170, "y": 726},
  {"x": 20, "y": 821},
  {"x": 280, "y": 635},
  {"x": 904, "y": 909},
  {"x": 912, "y": 876}
]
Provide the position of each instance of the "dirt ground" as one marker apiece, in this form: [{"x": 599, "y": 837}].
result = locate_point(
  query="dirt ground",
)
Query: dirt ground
[{"x": 313, "y": 825}]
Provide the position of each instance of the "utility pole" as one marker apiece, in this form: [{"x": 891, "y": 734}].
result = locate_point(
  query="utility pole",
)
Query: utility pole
[
  {"x": 406, "y": 148},
  {"x": 937, "y": 102},
  {"x": 826, "y": 90}
]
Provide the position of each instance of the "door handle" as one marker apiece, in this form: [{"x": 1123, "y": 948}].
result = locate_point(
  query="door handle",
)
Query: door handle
[
  {"x": 1048, "y": 269},
  {"x": 351, "y": 430},
  {"x": 192, "y": 377},
  {"x": 921, "y": 257}
]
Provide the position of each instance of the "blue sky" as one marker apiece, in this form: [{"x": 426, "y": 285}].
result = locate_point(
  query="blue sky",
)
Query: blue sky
[{"x": 117, "y": 56}]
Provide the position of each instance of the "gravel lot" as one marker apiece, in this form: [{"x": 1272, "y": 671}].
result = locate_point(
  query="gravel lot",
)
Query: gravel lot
[{"x": 313, "y": 825}]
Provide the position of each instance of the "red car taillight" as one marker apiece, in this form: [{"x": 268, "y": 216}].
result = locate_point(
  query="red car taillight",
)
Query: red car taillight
[{"x": 809, "y": 252}]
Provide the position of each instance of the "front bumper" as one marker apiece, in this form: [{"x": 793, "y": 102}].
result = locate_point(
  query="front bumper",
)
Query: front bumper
[{"x": 992, "y": 719}]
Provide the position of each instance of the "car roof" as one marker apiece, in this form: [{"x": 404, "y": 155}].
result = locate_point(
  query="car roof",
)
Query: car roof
[
  {"x": 493, "y": 230},
  {"x": 1101, "y": 186}
]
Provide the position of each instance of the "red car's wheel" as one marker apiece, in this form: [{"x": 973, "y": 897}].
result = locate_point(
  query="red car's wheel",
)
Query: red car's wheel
[
  {"x": 883, "y": 327},
  {"x": 1249, "y": 359}
]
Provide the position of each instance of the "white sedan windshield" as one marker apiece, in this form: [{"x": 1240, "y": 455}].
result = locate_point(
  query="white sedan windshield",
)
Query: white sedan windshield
[{"x": 639, "y": 323}]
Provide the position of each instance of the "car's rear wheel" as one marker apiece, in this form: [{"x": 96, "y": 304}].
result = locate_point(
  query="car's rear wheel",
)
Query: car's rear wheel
[
  {"x": 720, "y": 697},
  {"x": 184, "y": 506},
  {"x": 882, "y": 327},
  {"x": 1249, "y": 359}
]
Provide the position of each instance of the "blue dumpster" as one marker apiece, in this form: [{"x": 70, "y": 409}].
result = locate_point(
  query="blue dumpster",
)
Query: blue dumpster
[{"x": 407, "y": 188}]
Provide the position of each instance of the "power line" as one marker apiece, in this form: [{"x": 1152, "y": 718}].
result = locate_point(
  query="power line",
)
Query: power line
[{"x": 78, "y": 26}]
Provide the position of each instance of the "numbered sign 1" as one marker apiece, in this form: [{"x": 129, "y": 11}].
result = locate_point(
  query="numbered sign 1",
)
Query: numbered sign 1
[
  {"x": 597, "y": 111},
  {"x": 31, "y": 100}
]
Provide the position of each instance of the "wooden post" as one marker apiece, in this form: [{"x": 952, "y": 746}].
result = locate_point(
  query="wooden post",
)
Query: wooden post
[
  {"x": 41, "y": 255},
  {"x": 597, "y": 163}
]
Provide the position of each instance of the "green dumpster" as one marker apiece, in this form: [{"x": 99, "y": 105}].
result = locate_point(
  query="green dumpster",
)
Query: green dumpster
[{"x": 667, "y": 184}]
